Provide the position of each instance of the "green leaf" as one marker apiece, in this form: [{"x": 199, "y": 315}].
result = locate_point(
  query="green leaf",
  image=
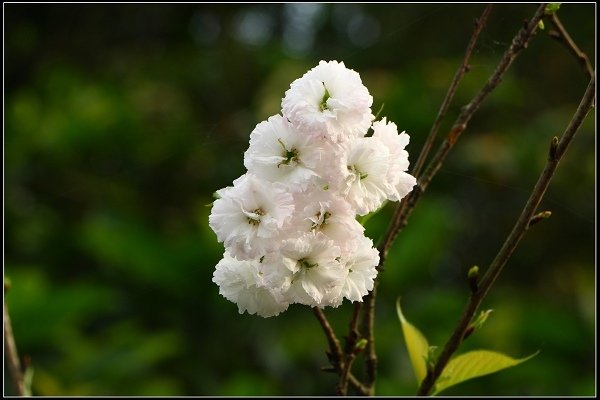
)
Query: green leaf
[
  {"x": 551, "y": 8},
  {"x": 416, "y": 344},
  {"x": 475, "y": 364}
]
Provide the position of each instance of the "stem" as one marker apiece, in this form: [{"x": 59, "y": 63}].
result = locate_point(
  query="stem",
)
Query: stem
[
  {"x": 368, "y": 329},
  {"x": 398, "y": 222},
  {"x": 460, "y": 72},
  {"x": 350, "y": 351},
  {"x": 335, "y": 350},
  {"x": 563, "y": 36},
  {"x": 12, "y": 357},
  {"x": 513, "y": 239},
  {"x": 335, "y": 354},
  {"x": 359, "y": 386},
  {"x": 405, "y": 208}
]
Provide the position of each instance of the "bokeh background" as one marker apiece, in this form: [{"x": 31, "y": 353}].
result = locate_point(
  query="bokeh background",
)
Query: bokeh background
[{"x": 122, "y": 120}]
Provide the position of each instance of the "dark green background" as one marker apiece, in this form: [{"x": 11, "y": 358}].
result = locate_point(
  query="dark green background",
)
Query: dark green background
[{"x": 122, "y": 120}]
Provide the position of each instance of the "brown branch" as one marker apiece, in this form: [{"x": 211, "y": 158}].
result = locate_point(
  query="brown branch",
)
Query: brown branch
[
  {"x": 458, "y": 75},
  {"x": 405, "y": 208},
  {"x": 460, "y": 72},
  {"x": 561, "y": 35},
  {"x": 335, "y": 350},
  {"x": 335, "y": 355},
  {"x": 368, "y": 330},
  {"x": 359, "y": 386},
  {"x": 12, "y": 357},
  {"x": 399, "y": 218},
  {"x": 523, "y": 222},
  {"x": 350, "y": 351}
]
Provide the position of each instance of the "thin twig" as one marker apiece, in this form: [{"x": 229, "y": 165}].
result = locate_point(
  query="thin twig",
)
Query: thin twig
[
  {"x": 335, "y": 354},
  {"x": 350, "y": 351},
  {"x": 368, "y": 330},
  {"x": 12, "y": 357},
  {"x": 458, "y": 75},
  {"x": 359, "y": 386},
  {"x": 405, "y": 208},
  {"x": 563, "y": 36},
  {"x": 397, "y": 222},
  {"x": 335, "y": 350},
  {"x": 513, "y": 239},
  {"x": 353, "y": 330},
  {"x": 460, "y": 72}
]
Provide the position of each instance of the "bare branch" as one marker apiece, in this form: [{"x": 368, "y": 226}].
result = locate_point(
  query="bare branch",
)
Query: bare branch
[
  {"x": 404, "y": 209},
  {"x": 368, "y": 330},
  {"x": 360, "y": 388},
  {"x": 335, "y": 354},
  {"x": 513, "y": 239},
  {"x": 561, "y": 35},
  {"x": 350, "y": 351},
  {"x": 460, "y": 72},
  {"x": 335, "y": 350}
]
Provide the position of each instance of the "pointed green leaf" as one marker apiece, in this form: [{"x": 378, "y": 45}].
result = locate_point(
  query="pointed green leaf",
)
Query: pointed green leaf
[
  {"x": 474, "y": 364},
  {"x": 416, "y": 344}
]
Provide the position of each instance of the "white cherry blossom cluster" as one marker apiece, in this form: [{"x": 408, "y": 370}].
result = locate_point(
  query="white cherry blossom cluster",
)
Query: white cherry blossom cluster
[{"x": 289, "y": 223}]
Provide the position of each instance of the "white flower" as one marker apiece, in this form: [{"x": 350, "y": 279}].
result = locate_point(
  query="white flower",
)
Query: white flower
[
  {"x": 249, "y": 216},
  {"x": 329, "y": 101},
  {"x": 366, "y": 183},
  {"x": 326, "y": 212},
  {"x": 401, "y": 183},
  {"x": 315, "y": 275},
  {"x": 288, "y": 224},
  {"x": 242, "y": 282},
  {"x": 280, "y": 153},
  {"x": 362, "y": 270}
]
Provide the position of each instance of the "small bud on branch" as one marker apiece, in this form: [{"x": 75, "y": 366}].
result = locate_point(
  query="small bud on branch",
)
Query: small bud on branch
[
  {"x": 473, "y": 277},
  {"x": 538, "y": 217},
  {"x": 553, "y": 148}
]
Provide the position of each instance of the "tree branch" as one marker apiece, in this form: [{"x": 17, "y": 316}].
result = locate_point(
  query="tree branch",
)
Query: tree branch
[
  {"x": 368, "y": 329},
  {"x": 359, "y": 386},
  {"x": 561, "y": 35},
  {"x": 404, "y": 209},
  {"x": 557, "y": 150},
  {"x": 458, "y": 75},
  {"x": 335, "y": 355},
  {"x": 350, "y": 351},
  {"x": 335, "y": 350},
  {"x": 12, "y": 356}
]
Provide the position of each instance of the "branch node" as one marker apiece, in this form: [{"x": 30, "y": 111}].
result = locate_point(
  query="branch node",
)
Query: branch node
[
  {"x": 468, "y": 332},
  {"x": 553, "y": 149},
  {"x": 560, "y": 34}
]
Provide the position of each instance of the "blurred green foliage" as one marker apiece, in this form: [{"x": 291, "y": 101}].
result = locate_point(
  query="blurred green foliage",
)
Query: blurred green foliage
[{"x": 122, "y": 120}]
